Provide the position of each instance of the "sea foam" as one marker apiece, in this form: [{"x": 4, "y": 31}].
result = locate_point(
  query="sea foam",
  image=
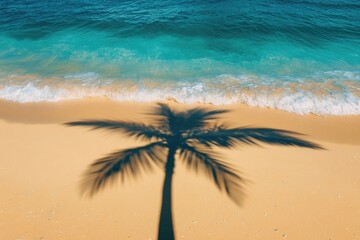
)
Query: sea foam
[{"x": 324, "y": 98}]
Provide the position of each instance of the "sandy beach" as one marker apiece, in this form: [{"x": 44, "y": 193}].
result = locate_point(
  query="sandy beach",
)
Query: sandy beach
[{"x": 292, "y": 193}]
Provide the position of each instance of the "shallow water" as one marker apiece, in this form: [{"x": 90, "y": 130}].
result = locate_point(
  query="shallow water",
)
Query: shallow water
[{"x": 299, "y": 56}]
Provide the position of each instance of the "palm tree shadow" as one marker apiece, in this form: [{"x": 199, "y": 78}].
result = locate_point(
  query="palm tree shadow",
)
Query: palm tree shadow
[{"x": 187, "y": 136}]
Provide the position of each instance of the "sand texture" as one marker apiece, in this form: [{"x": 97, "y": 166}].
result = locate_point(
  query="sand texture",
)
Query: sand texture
[{"x": 292, "y": 193}]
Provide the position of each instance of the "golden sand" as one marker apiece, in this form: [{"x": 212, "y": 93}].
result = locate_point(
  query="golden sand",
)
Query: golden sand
[{"x": 292, "y": 193}]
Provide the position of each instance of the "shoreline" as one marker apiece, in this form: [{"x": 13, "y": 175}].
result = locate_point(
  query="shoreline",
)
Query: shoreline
[{"x": 303, "y": 99}]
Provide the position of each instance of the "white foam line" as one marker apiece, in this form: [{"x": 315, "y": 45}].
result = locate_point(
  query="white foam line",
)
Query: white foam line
[{"x": 300, "y": 102}]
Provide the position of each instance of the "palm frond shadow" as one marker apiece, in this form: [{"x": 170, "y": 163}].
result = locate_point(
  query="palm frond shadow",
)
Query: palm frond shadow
[{"x": 187, "y": 136}]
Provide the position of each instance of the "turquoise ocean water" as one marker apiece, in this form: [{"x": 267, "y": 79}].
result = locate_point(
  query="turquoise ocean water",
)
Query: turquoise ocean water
[{"x": 301, "y": 56}]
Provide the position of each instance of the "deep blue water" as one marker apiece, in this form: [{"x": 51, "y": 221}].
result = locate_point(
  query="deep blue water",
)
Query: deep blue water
[{"x": 299, "y": 56}]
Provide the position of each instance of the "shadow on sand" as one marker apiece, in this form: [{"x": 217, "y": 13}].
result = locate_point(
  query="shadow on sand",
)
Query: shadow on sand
[{"x": 187, "y": 136}]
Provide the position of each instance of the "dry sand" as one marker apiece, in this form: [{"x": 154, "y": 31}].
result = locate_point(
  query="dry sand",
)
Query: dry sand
[{"x": 293, "y": 193}]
